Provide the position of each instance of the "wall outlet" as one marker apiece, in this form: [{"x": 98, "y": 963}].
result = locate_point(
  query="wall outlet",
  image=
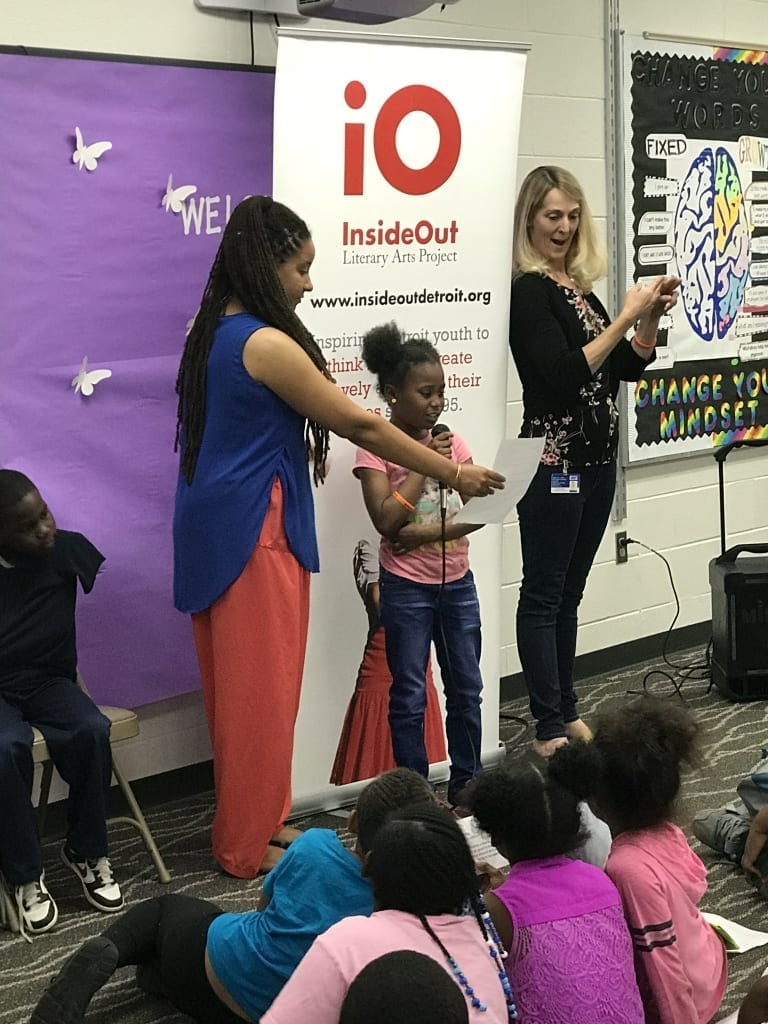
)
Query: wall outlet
[{"x": 622, "y": 554}]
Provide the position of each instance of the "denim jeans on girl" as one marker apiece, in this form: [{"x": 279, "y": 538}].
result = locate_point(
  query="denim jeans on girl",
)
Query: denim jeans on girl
[
  {"x": 560, "y": 535},
  {"x": 414, "y": 615}
]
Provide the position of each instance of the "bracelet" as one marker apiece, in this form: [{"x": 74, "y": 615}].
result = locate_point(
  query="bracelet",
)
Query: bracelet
[
  {"x": 458, "y": 475},
  {"x": 642, "y": 344},
  {"x": 403, "y": 501}
]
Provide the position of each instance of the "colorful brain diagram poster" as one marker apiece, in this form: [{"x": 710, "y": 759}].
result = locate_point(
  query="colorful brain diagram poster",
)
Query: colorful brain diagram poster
[{"x": 696, "y": 162}]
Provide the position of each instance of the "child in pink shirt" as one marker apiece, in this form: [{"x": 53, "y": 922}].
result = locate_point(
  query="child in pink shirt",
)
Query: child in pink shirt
[
  {"x": 631, "y": 772},
  {"x": 427, "y": 589},
  {"x": 422, "y": 875}
]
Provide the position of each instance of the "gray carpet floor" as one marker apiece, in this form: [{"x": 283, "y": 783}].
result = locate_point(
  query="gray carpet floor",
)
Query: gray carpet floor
[{"x": 733, "y": 737}]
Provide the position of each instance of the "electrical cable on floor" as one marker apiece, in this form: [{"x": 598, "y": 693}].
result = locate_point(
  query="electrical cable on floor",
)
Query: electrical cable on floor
[
  {"x": 683, "y": 673},
  {"x": 521, "y": 734}
]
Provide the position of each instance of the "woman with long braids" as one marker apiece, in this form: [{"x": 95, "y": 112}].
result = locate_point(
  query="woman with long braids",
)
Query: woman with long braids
[
  {"x": 423, "y": 879},
  {"x": 256, "y": 404}
]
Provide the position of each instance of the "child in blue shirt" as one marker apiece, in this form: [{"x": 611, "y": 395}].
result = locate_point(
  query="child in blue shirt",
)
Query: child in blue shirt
[{"x": 223, "y": 968}]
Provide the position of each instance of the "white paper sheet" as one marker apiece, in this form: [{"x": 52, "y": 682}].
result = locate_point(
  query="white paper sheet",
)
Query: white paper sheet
[
  {"x": 737, "y": 937},
  {"x": 517, "y": 459},
  {"x": 480, "y": 845}
]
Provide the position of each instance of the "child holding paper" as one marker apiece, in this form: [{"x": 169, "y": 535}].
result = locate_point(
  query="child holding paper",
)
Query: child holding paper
[{"x": 427, "y": 588}]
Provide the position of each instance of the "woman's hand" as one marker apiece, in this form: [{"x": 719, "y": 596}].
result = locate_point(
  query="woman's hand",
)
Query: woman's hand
[
  {"x": 655, "y": 299},
  {"x": 640, "y": 300},
  {"x": 476, "y": 481},
  {"x": 647, "y": 325}
]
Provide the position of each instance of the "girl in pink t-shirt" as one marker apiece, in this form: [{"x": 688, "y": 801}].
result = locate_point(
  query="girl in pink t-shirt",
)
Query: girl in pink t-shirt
[
  {"x": 631, "y": 774},
  {"x": 423, "y": 878},
  {"x": 427, "y": 589}
]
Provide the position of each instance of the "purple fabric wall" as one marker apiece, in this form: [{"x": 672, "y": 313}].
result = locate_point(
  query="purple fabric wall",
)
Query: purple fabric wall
[{"x": 92, "y": 264}]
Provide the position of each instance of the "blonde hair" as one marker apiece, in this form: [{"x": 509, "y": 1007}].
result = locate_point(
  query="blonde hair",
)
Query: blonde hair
[{"x": 585, "y": 261}]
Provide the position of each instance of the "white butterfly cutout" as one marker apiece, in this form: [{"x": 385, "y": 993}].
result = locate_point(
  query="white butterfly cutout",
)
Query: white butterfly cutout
[
  {"x": 86, "y": 379},
  {"x": 87, "y": 156},
  {"x": 174, "y": 198}
]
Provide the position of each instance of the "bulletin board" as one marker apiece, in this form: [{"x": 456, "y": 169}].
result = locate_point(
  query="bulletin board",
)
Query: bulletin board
[
  {"x": 117, "y": 179},
  {"x": 695, "y": 121}
]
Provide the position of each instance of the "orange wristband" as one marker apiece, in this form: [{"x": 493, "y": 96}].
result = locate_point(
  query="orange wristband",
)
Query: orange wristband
[
  {"x": 642, "y": 344},
  {"x": 403, "y": 501}
]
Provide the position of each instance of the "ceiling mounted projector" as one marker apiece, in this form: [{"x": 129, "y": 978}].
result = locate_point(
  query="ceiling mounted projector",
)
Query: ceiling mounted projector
[
  {"x": 360, "y": 12},
  {"x": 365, "y": 12}
]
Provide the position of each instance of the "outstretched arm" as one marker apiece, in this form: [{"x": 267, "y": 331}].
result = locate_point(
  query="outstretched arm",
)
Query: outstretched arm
[{"x": 275, "y": 360}]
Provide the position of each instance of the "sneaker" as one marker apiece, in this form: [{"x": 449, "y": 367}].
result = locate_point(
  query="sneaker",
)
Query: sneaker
[
  {"x": 35, "y": 907},
  {"x": 99, "y": 885},
  {"x": 83, "y": 974},
  {"x": 723, "y": 831}
]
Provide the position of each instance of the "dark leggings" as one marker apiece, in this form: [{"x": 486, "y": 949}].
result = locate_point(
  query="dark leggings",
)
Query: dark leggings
[{"x": 168, "y": 934}]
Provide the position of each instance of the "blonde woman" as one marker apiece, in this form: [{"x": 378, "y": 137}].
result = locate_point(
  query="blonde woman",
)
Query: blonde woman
[{"x": 570, "y": 358}]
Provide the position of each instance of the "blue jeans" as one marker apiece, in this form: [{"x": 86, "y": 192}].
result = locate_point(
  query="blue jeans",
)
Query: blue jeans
[
  {"x": 560, "y": 535},
  {"x": 77, "y": 735},
  {"x": 414, "y": 615}
]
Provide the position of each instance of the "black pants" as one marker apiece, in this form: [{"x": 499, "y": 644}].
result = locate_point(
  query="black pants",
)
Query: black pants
[
  {"x": 168, "y": 934},
  {"x": 77, "y": 735},
  {"x": 559, "y": 536}
]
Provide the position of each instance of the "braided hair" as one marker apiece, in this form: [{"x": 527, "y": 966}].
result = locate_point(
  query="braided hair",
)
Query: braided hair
[
  {"x": 261, "y": 234},
  {"x": 390, "y": 355},
  {"x": 400, "y": 787},
  {"x": 421, "y": 864}
]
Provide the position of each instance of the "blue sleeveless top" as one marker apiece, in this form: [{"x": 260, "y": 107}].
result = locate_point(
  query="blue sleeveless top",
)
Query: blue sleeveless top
[{"x": 251, "y": 436}]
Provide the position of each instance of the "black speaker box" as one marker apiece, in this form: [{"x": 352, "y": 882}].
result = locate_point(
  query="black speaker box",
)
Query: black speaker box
[{"x": 739, "y": 582}]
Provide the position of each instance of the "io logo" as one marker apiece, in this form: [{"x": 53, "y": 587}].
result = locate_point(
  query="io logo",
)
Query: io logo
[{"x": 412, "y": 181}]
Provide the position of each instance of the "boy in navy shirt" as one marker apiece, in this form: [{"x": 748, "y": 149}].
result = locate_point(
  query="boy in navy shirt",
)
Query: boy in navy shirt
[{"x": 40, "y": 567}]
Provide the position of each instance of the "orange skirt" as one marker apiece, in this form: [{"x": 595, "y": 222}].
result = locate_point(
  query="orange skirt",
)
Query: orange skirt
[
  {"x": 250, "y": 648},
  {"x": 365, "y": 744}
]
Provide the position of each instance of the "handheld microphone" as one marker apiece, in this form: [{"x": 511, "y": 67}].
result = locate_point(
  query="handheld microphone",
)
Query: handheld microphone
[{"x": 441, "y": 428}]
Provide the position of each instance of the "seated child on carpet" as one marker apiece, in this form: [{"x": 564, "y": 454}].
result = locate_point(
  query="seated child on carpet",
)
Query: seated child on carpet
[
  {"x": 561, "y": 920},
  {"x": 223, "y": 968},
  {"x": 630, "y": 772},
  {"x": 408, "y": 987},
  {"x": 423, "y": 878}
]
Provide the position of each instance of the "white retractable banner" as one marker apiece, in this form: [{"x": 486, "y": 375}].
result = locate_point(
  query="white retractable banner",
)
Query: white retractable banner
[{"x": 400, "y": 153}]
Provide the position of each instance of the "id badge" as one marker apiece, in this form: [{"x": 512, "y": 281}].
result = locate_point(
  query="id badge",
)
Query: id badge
[{"x": 565, "y": 483}]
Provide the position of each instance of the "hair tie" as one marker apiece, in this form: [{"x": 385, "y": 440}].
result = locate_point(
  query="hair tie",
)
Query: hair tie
[{"x": 642, "y": 344}]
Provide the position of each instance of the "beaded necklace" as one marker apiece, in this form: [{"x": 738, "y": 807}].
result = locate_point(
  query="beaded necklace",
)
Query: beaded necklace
[{"x": 497, "y": 953}]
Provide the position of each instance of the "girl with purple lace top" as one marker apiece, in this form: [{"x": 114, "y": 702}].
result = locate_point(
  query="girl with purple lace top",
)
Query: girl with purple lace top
[{"x": 569, "y": 950}]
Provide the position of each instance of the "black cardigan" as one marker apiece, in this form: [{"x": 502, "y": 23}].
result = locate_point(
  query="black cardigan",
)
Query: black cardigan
[{"x": 562, "y": 399}]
